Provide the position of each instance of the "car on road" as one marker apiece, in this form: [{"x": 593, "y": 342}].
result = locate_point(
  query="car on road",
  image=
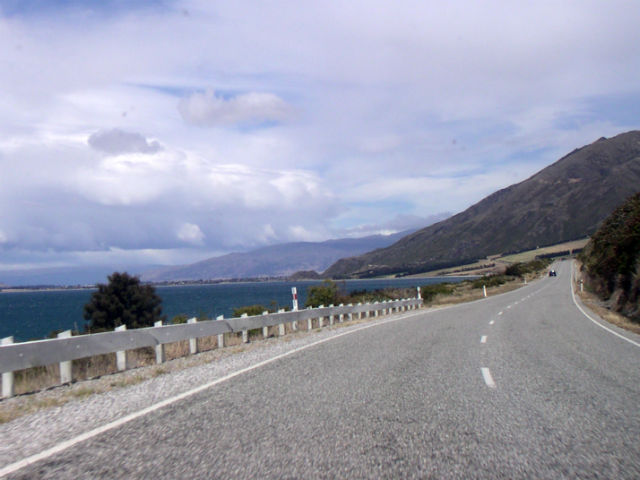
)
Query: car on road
[{"x": 552, "y": 273}]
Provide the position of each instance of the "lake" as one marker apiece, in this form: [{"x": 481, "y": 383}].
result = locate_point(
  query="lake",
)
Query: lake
[{"x": 33, "y": 315}]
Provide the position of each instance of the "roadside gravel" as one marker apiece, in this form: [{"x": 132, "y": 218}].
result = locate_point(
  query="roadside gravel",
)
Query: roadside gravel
[{"x": 52, "y": 416}]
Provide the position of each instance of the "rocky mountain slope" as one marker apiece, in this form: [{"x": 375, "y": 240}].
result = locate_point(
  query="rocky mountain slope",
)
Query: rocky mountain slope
[
  {"x": 612, "y": 259},
  {"x": 565, "y": 201}
]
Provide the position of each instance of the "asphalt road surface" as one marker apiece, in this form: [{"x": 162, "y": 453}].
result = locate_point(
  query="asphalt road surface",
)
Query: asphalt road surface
[{"x": 521, "y": 385}]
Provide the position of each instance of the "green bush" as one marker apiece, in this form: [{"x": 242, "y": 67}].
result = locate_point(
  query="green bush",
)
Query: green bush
[
  {"x": 250, "y": 310},
  {"x": 490, "y": 281},
  {"x": 325, "y": 294},
  {"x": 521, "y": 269},
  {"x": 179, "y": 319},
  {"x": 429, "y": 292},
  {"x": 123, "y": 301}
]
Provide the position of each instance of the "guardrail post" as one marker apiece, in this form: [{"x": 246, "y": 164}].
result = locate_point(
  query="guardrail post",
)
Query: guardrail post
[
  {"x": 65, "y": 367},
  {"x": 121, "y": 356},
  {"x": 160, "y": 356},
  {"x": 193, "y": 342},
  {"x": 245, "y": 333},
  {"x": 309, "y": 322},
  {"x": 320, "y": 319},
  {"x": 8, "y": 388},
  {"x": 221, "y": 335},
  {"x": 265, "y": 330}
]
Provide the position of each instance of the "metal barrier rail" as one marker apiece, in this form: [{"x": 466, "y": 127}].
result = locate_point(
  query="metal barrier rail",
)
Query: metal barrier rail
[{"x": 62, "y": 350}]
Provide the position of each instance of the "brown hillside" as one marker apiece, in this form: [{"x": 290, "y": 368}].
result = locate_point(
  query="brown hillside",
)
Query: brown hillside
[{"x": 565, "y": 201}]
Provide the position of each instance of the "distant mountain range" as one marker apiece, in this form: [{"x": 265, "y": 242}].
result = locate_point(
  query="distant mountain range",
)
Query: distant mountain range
[
  {"x": 565, "y": 201},
  {"x": 273, "y": 261}
]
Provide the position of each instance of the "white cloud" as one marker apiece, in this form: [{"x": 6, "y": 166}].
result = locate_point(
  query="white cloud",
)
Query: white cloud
[
  {"x": 208, "y": 109},
  {"x": 407, "y": 109},
  {"x": 191, "y": 233}
]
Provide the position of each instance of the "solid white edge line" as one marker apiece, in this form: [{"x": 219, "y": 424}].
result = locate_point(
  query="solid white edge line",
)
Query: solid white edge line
[
  {"x": 488, "y": 379},
  {"x": 573, "y": 296},
  {"x": 13, "y": 467},
  {"x": 483, "y": 339}
]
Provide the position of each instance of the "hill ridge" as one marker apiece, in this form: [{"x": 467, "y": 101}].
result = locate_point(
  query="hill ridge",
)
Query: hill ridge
[{"x": 565, "y": 201}]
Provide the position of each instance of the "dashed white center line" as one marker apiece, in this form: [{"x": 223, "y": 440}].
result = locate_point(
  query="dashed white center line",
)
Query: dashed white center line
[
  {"x": 492, "y": 322},
  {"x": 488, "y": 379},
  {"x": 483, "y": 339},
  {"x": 499, "y": 313}
]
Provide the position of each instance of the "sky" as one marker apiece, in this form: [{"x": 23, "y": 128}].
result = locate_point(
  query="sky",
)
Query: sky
[{"x": 166, "y": 132}]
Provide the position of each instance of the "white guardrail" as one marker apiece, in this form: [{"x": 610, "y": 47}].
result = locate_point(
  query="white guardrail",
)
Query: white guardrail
[{"x": 64, "y": 349}]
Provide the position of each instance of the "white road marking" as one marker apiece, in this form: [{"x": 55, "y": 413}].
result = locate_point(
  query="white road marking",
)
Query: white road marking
[
  {"x": 500, "y": 313},
  {"x": 483, "y": 339},
  {"x": 8, "y": 469},
  {"x": 593, "y": 320},
  {"x": 492, "y": 322},
  {"x": 488, "y": 379}
]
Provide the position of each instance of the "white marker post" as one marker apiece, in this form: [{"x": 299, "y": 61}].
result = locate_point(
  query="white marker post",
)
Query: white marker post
[
  {"x": 65, "y": 367},
  {"x": 160, "y": 356},
  {"x": 193, "y": 342},
  {"x": 121, "y": 356},
  {"x": 220, "y": 335},
  {"x": 8, "y": 389},
  {"x": 484, "y": 291}
]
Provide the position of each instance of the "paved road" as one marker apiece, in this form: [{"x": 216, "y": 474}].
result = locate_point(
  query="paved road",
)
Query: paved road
[{"x": 521, "y": 385}]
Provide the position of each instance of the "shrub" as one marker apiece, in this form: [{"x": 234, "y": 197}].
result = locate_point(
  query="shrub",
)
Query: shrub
[
  {"x": 429, "y": 292},
  {"x": 324, "y": 294},
  {"x": 250, "y": 310},
  {"x": 179, "y": 319},
  {"x": 490, "y": 281},
  {"x": 520, "y": 269},
  {"x": 123, "y": 301}
]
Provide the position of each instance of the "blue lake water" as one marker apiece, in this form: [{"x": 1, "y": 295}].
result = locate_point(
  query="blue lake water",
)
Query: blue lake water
[{"x": 33, "y": 315}]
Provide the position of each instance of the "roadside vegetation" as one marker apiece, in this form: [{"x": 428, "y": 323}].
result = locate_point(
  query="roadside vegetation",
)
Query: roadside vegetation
[
  {"x": 330, "y": 292},
  {"x": 514, "y": 276},
  {"x": 122, "y": 301},
  {"x": 611, "y": 260}
]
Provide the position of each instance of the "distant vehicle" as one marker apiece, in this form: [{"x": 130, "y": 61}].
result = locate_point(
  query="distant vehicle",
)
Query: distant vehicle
[{"x": 552, "y": 273}]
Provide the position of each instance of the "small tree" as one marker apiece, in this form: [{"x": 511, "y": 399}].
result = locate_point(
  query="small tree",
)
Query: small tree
[
  {"x": 324, "y": 294},
  {"x": 123, "y": 301}
]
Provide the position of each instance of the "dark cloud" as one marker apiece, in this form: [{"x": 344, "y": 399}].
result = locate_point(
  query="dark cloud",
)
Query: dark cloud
[{"x": 116, "y": 142}]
